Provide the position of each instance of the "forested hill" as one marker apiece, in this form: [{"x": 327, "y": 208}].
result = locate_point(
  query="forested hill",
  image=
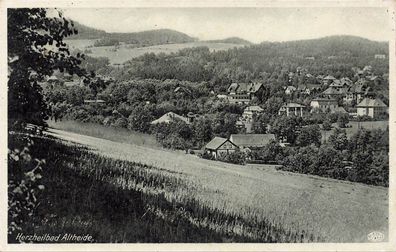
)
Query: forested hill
[
  {"x": 341, "y": 45},
  {"x": 231, "y": 40},
  {"x": 151, "y": 37},
  {"x": 335, "y": 55},
  {"x": 85, "y": 32}
]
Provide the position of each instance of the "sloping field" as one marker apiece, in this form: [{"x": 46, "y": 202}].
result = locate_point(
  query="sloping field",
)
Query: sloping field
[
  {"x": 127, "y": 52},
  {"x": 337, "y": 211}
]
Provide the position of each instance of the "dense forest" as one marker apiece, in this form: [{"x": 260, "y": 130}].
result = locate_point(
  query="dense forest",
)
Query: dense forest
[{"x": 267, "y": 62}]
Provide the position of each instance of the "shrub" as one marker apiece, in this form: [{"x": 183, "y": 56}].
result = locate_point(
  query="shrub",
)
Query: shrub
[
  {"x": 120, "y": 123},
  {"x": 237, "y": 157},
  {"x": 24, "y": 175}
]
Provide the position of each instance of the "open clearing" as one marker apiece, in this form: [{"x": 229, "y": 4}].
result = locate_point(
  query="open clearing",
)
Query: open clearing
[
  {"x": 127, "y": 52},
  {"x": 336, "y": 210}
]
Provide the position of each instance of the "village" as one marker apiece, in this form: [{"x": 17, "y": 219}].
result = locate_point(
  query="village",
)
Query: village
[{"x": 357, "y": 100}]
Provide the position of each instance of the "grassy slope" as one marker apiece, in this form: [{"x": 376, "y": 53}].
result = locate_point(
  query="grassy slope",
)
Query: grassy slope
[
  {"x": 335, "y": 210},
  {"x": 125, "y": 52},
  {"x": 120, "y": 201},
  {"x": 114, "y": 134}
]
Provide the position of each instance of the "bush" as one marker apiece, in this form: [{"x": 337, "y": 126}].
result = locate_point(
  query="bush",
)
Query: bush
[
  {"x": 237, "y": 157},
  {"x": 120, "y": 123},
  {"x": 326, "y": 125},
  {"x": 342, "y": 120},
  {"x": 24, "y": 175}
]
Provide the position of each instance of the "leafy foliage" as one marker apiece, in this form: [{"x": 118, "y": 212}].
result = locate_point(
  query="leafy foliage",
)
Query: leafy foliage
[{"x": 35, "y": 49}]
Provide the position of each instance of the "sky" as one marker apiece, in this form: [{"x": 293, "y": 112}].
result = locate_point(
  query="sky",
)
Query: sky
[{"x": 253, "y": 24}]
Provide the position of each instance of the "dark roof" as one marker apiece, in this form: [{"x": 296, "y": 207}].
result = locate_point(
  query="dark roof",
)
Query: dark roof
[
  {"x": 332, "y": 91},
  {"x": 293, "y": 105},
  {"x": 324, "y": 100},
  {"x": 215, "y": 143},
  {"x": 251, "y": 140},
  {"x": 367, "y": 102},
  {"x": 244, "y": 87},
  {"x": 170, "y": 117}
]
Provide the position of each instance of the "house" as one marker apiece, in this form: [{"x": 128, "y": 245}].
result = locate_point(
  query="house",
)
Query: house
[
  {"x": 292, "y": 108},
  {"x": 373, "y": 108},
  {"x": 360, "y": 90},
  {"x": 290, "y": 90},
  {"x": 310, "y": 58},
  {"x": 345, "y": 81},
  {"x": 324, "y": 104},
  {"x": 250, "y": 111},
  {"x": 243, "y": 93},
  {"x": 380, "y": 56},
  {"x": 170, "y": 117},
  {"x": 334, "y": 92},
  {"x": 247, "y": 118},
  {"x": 222, "y": 97},
  {"x": 308, "y": 89},
  {"x": 367, "y": 69},
  {"x": 218, "y": 146},
  {"x": 251, "y": 141},
  {"x": 328, "y": 79}
]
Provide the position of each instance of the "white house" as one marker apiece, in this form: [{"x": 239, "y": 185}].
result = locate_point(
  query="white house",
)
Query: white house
[
  {"x": 292, "y": 108},
  {"x": 371, "y": 107}
]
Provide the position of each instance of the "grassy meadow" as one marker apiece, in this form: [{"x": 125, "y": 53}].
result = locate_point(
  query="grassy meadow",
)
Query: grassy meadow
[
  {"x": 120, "y": 201},
  {"x": 121, "y": 135},
  {"x": 333, "y": 210},
  {"x": 127, "y": 52}
]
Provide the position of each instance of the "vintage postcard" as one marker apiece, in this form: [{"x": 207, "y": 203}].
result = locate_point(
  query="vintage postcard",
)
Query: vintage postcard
[{"x": 197, "y": 126}]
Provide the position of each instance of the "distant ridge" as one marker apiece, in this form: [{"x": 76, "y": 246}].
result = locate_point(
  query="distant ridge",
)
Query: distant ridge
[
  {"x": 151, "y": 37},
  {"x": 337, "y": 45},
  {"x": 231, "y": 40}
]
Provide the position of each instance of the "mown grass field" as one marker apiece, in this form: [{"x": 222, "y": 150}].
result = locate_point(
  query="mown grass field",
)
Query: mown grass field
[
  {"x": 122, "y": 201},
  {"x": 127, "y": 52},
  {"x": 336, "y": 211}
]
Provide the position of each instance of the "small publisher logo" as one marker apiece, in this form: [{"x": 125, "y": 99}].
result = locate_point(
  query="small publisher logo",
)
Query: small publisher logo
[{"x": 375, "y": 236}]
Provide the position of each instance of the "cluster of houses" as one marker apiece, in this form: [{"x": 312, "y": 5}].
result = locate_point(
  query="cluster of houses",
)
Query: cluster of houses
[{"x": 329, "y": 93}]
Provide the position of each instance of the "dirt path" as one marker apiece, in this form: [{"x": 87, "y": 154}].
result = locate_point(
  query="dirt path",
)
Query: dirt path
[{"x": 337, "y": 210}]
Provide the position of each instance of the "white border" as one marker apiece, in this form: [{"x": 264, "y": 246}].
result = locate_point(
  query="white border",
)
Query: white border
[{"x": 389, "y": 246}]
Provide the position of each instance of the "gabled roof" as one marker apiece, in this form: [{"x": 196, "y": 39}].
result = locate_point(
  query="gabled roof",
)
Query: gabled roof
[
  {"x": 338, "y": 110},
  {"x": 251, "y": 140},
  {"x": 291, "y": 88},
  {"x": 293, "y": 105},
  {"x": 324, "y": 100},
  {"x": 329, "y": 77},
  {"x": 345, "y": 80},
  {"x": 367, "y": 102},
  {"x": 332, "y": 91},
  {"x": 215, "y": 143},
  {"x": 170, "y": 117},
  {"x": 244, "y": 87}
]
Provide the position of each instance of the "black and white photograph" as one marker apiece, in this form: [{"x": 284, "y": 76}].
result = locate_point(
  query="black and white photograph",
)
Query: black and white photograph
[{"x": 256, "y": 124}]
